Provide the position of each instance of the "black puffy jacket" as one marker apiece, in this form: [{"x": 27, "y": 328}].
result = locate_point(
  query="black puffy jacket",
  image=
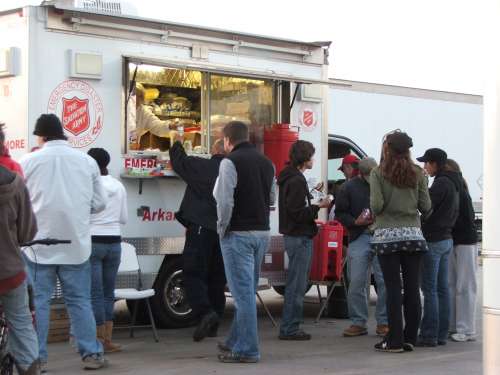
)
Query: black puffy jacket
[
  {"x": 444, "y": 194},
  {"x": 465, "y": 231}
]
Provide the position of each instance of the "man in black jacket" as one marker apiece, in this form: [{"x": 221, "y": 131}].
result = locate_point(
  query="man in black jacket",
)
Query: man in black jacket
[
  {"x": 203, "y": 269},
  {"x": 437, "y": 230},
  {"x": 297, "y": 223},
  {"x": 352, "y": 210}
]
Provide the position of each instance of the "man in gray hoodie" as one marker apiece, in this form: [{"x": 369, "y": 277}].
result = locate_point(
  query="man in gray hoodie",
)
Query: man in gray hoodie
[{"x": 17, "y": 225}]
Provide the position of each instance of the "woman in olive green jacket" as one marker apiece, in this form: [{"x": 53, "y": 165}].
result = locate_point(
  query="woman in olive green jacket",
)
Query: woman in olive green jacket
[{"x": 398, "y": 196}]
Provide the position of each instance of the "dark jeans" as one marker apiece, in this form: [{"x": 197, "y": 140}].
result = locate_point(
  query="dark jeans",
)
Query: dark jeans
[
  {"x": 203, "y": 271},
  {"x": 299, "y": 251},
  {"x": 105, "y": 260},
  {"x": 392, "y": 266},
  {"x": 435, "y": 288}
]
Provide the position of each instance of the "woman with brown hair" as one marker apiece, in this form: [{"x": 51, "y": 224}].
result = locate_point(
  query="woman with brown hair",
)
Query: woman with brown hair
[{"x": 398, "y": 195}]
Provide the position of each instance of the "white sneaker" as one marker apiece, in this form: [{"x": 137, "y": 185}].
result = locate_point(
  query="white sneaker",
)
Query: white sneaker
[
  {"x": 94, "y": 362},
  {"x": 461, "y": 337}
]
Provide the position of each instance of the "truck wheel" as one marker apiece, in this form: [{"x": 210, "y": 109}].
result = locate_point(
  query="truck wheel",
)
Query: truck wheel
[{"x": 169, "y": 304}]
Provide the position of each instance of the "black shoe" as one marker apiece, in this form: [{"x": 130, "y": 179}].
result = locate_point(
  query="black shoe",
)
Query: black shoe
[
  {"x": 207, "y": 322},
  {"x": 441, "y": 342},
  {"x": 223, "y": 348},
  {"x": 297, "y": 336},
  {"x": 407, "y": 347},
  {"x": 383, "y": 346},
  {"x": 423, "y": 343},
  {"x": 230, "y": 357},
  {"x": 213, "y": 331}
]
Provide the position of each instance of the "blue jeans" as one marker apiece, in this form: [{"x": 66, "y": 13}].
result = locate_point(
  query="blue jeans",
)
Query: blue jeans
[
  {"x": 299, "y": 251},
  {"x": 436, "y": 318},
  {"x": 23, "y": 344},
  {"x": 75, "y": 283},
  {"x": 105, "y": 260},
  {"x": 359, "y": 257},
  {"x": 243, "y": 253}
]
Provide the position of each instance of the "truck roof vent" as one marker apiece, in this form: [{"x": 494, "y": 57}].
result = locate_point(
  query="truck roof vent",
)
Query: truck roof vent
[{"x": 101, "y": 6}]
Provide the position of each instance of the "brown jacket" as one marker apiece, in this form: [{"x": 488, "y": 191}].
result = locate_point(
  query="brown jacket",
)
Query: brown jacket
[{"x": 17, "y": 223}]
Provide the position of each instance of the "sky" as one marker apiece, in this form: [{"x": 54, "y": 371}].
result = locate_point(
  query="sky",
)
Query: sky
[{"x": 432, "y": 44}]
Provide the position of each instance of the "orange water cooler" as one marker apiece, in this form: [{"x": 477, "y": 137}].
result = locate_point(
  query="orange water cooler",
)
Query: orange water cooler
[
  {"x": 277, "y": 142},
  {"x": 326, "y": 262}
]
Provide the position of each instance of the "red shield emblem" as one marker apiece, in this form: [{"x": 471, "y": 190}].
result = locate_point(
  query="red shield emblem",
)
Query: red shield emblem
[
  {"x": 75, "y": 115},
  {"x": 308, "y": 117}
]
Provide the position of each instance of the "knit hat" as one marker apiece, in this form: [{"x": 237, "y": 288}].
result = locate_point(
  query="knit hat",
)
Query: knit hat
[
  {"x": 101, "y": 156},
  {"x": 49, "y": 125},
  {"x": 366, "y": 165}
]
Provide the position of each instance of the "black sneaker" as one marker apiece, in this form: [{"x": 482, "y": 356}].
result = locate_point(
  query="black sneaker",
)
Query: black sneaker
[
  {"x": 213, "y": 331},
  {"x": 383, "y": 346},
  {"x": 231, "y": 357},
  {"x": 442, "y": 342},
  {"x": 407, "y": 347},
  {"x": 425, "y": 343},
  {"x": 223, "y": 348},
  {"x": 207, "y": 322},
  {"x": 297, "y": 336}
]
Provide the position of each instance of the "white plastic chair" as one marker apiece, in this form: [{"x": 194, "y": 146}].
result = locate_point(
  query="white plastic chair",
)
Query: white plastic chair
[{"x": 130, "y": 264}]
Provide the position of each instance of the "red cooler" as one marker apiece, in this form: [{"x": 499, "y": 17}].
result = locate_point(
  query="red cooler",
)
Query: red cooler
[
  {"x": 277, "y": 142},
  {"x": 327, "y": 252}
]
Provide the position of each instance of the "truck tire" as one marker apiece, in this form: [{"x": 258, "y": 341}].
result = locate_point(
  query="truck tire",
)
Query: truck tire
[{"x": 169, "y": 304}]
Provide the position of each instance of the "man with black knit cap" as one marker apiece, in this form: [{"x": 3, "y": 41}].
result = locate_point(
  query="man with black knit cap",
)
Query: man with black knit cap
[{"x": 65, "y": 188}]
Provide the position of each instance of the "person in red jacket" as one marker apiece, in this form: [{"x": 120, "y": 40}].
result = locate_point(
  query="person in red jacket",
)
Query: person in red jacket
[{"x": 5, "y": 158}]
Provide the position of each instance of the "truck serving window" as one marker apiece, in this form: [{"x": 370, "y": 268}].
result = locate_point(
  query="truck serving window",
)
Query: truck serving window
[
  {"x": 247, "y": 100},
  {"x": 163, "y": 101}
]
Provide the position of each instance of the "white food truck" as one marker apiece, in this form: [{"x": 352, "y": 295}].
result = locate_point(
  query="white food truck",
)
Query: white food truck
[{"x": 85, "y": 60}]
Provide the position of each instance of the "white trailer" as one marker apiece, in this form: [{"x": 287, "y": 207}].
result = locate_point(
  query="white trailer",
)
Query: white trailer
[
  {"x": 365, "y": 112},
  {"x": 81, "y": 61}
]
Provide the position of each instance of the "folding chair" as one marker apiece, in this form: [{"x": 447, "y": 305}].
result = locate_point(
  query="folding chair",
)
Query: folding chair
[
  {"x": 333, "y": 284},
  {"x": 130, "y": 264}
]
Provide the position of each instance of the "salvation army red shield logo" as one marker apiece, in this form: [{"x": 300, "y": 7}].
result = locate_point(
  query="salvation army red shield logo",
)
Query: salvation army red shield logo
[
  {"x": 75, "y": 115},
  {"x": 80, "y": 109},
  {"x": 308, "y": 118}
]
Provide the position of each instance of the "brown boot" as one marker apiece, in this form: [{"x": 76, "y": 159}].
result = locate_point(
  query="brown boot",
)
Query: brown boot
[
  {"x": 101, "y": 333},
  {"x": 355, "y": 330},
  {"x": 382, "y": 330},
  {"x": 109, "y": 346}
]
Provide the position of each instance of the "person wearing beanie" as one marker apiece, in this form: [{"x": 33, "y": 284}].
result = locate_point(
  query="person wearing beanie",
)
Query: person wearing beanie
[
  {"x": 65, "y": 188},
  {"x": 438, "y": 228},
  {"x": 353, "y": 211},
  {"x": 398, "y": 195},
  {"x": 106, "y": 250}
]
